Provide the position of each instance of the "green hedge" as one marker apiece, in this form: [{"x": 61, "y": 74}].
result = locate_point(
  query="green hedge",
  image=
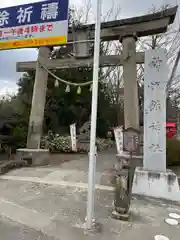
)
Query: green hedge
[
  {"x": 62, "y": 144},
  {"x": 173, "y": 151}
]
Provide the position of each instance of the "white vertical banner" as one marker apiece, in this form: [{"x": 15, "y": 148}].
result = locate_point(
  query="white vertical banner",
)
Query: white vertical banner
[
  {"x": 155, "y": 81},
  {"x": 73, "y": 137},
  {"x": 118, "y": 133}
]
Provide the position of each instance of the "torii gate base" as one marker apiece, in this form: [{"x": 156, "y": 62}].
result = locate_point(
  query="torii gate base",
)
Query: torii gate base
[{"x": 34, "y": 157}]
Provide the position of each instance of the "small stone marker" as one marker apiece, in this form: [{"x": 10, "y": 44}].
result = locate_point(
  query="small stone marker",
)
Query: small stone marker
[
  {"x": 84, "y": 137},
  {"x": 84, "y": 132},
  {"x": 118, "y": 133},
  {"x": 73, "y": 137},
  {"x": 131, "y": 140}
]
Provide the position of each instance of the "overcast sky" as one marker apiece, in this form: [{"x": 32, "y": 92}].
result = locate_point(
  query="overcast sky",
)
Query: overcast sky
[{"x": 8, "y": 59}]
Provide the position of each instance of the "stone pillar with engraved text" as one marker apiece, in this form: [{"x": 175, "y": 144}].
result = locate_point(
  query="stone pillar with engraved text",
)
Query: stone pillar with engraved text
[{"x": 155, "y": 81}]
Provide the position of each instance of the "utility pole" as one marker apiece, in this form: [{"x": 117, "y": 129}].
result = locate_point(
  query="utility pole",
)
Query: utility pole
[{"x": 92, "y": 153}]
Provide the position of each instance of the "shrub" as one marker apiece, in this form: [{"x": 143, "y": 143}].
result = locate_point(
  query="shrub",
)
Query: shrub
[
  {"x": 173, "y": 151},
  {"x": 103, "y": 144},
  {"x": 57, "y": 144},
  {"x": 62, "y": 144}
]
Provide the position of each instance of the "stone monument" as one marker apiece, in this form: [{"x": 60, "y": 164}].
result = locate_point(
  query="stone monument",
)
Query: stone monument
[
  {"x": 84, "y": 137},
  {"x": 73, "y": 137},
  {"x": 118, "y": 133},
  {"x": 154, "y": 179}
]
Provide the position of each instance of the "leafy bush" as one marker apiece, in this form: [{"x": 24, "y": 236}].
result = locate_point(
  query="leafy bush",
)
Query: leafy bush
[
  {"x": 59, "y": 143},
  {"x": 103, "y": 144},
  {"x": 173, "y": 151}
]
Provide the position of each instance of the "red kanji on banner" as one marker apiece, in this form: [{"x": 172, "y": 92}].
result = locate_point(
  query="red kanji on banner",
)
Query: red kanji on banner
[
  {"x": 42, "y": 28},
  {"x": 20, "y": 31},
  {"x": 1, "y": 33},
  {"x": 26, "y": 30},
  {"x": 49, "y": 27},
  {"x": 34, "y": 28}
]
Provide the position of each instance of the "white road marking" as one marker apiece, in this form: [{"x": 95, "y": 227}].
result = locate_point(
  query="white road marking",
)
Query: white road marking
[
  {"x": 174, "y": 215},
  {"x": 23, "y": 215},
  {"x": 160, "y": 237},
  {"x": 57, "y": 183},
  {"x": 171, "y": 222}
]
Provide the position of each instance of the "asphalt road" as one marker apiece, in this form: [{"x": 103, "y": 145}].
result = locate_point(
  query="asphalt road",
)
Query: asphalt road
[{"x": 13, "y": 231}]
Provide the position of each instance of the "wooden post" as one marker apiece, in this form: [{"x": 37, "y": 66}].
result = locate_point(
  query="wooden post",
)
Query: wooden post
[
  {"x": 38, "y": 102},
  {"x": 131, "y": 102}
]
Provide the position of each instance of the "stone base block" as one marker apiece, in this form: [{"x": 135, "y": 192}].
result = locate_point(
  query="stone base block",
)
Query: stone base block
[
  {"x": 34, "y": 157},
  {"x": 96, "y": 227},
  {"x": 156, "y": 184},
  {"x": 120, "y": 216}
]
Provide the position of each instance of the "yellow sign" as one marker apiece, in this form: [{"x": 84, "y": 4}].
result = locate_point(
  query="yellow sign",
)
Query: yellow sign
[{"x": 35, "y": 42}]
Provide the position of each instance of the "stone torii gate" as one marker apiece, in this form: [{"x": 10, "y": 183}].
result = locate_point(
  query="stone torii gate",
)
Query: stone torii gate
[{"x": 127, "y": 31}]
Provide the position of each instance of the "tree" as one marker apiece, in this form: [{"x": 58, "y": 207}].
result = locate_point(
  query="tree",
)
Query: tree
[
  {"x": 12, "y": 125},
  {"x": 170, "y": 41},
  {"x": 114, "y": 81}
]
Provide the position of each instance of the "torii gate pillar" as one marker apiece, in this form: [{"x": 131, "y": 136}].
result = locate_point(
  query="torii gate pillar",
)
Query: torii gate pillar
[
  {"x": 131, "y": 102},
  {"x": 38, "y": 102}
]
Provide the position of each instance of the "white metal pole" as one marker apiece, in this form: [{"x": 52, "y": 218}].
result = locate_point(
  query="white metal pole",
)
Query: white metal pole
[{"x": 92, "y": 153}]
